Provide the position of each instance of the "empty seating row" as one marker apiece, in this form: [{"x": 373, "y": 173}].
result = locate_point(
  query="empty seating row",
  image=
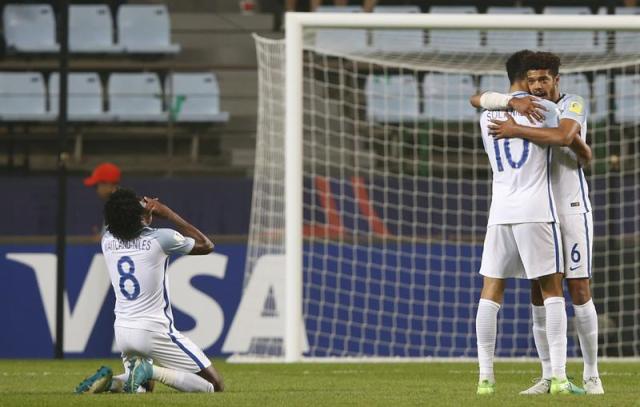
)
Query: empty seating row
[
  {"x": 187, "y": 97},
  {"x": 140, "y": 29},
  {"x": 499, "y": 41},
  {"x": 445, "y": 97}
]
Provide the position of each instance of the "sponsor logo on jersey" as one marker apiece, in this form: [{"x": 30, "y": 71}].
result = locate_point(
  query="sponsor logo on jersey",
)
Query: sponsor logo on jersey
[{"x": 575, "y": 204}]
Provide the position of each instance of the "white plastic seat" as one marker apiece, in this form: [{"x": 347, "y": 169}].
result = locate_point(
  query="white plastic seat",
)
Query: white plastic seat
[
  {"x": 577, "y": 84},
  {"x": 454, "y": 40},
  {"x": 503, "y": 41},
  {"x": 135, "y": 97},
  {"x": 91, "y": 29},
  {"x": 627, "y": 99},
  {"x": 627, "y": 42},
  {"x": 195, "y": 97},
  {"x": 340, "y": 40},
  {"x": 573, "y": 42},
  {"x": 446, "y": 97},
  {"x": 397, "y": 40},
  {"x": 600, "y": 95},
  {"x": 84, "y": 99},
  {"x": 30, "y": 28},
  {"x": 145, "y": 29},
  {"x": 495, "y": 83},
  {"x": 392, "y": 98},
  {"x": 22, "y": 97}
]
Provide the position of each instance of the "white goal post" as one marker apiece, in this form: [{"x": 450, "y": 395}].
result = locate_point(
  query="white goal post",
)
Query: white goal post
[{"x": 296, "y": 24}]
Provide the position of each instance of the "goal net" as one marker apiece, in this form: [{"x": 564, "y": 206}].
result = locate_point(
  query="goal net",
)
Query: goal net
[{"x": 396, "y": 188}]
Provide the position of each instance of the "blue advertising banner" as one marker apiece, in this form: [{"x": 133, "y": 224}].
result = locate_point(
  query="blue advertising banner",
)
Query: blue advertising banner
[
  {"x": 204, "y": 299},
  {"x": 360, "y": 300}
]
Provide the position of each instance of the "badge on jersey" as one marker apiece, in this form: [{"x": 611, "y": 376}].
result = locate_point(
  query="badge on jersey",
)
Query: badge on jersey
[
  {"x": 178, "y": 237},
  {"x": 576, "y": 107}
]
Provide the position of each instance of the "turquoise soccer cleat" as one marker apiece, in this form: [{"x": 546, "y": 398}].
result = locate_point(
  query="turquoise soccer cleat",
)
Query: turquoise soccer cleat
[
  {"x": 99, "y": 382},
  {"x": 486, "y": 388},
  {"x": 140, "y": 371},
  {"x": 564, "y": 387}
]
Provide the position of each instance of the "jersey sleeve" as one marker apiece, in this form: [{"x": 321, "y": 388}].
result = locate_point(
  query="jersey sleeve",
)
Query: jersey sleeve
[
  {"x": 574, "y": 109},
  {"x": 172, "y": 242}
]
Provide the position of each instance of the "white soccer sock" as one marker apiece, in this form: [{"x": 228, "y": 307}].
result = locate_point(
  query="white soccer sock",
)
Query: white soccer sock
[
  {"x": 587, "y": 326},
  {"x": 183, "y": 381},
  {"x": 557, "y": 335},
  {"x": 486, "y": 327},
  {"x": 117, "y": 383},
  {"x": 540, "y": 338}
]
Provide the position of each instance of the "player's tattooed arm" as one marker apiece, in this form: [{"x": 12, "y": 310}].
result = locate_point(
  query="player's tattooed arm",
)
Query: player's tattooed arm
[
  {"x": 202, "y": 243},
  {"x": 528, "y": 106},
  {"x": 566, "y": 134}
]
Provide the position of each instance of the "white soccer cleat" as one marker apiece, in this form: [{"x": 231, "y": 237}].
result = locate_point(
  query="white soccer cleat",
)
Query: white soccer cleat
[
  {"x": 543, "y": 386},
  {"x": 593, "y": 385}
]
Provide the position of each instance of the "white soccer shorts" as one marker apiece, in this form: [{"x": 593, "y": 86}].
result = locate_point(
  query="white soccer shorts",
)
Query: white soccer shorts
[
  {"x": 522, "y": 250},
  {"x": 170, "y": 350},
  {"x": 577, "y": 244}
]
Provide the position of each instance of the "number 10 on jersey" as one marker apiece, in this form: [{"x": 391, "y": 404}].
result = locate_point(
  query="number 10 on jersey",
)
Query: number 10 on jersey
[{"x": 507, "y": 152}]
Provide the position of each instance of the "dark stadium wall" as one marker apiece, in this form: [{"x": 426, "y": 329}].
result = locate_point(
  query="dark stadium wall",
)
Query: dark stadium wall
[{"x": 219, "y": 206}]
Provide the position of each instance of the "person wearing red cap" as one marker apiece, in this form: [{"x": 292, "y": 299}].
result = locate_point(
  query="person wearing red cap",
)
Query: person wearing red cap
[{"x": 106, "y": 178}]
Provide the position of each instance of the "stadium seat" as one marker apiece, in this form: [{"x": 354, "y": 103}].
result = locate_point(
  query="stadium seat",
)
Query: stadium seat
[
  {"x": 30, "y": 28},
  {"x": 446, "y": 97},
  {"x": 454, "y": 40},
  {"x": 627, "y": 42},
  {"x": 336, "y": 40},
  {"x": 91, "y": 29},
  {"x": 503, "y": 41},
  {"x": 577, "y": 84},
  {"x": 573, "y": 42},
  {"x": 392, "y": 98},
  {"x": 135, "y": 97},
  {"x": 195, "y": 97},
  {"x": 145, "y": 29},
  {"x": 397, "y": 40},
  {"x": 627, "y": 99},
  {"x": 600, "y": 94},
  {"x": 22, "y": 97},
  {"x": 495, "y": 83},
  {"x": 84, "y": 101}
]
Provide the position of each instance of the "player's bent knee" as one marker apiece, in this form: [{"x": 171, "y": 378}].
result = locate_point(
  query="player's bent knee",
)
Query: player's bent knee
[{"x": 212, "y": 376}]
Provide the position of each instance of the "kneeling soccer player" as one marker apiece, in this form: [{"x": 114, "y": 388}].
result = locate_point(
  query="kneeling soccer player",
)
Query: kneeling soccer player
[{"x": 137, "y": 257}]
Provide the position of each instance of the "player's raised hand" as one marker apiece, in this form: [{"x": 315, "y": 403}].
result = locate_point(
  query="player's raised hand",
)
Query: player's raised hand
[
  {"x": 504, "y": 129},
  {"x": 529, "y": 107},
  {"x": 157, "y": 208}
]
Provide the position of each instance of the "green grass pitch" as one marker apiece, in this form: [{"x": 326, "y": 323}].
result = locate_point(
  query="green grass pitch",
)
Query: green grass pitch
[{"x": 50, "y": 383}]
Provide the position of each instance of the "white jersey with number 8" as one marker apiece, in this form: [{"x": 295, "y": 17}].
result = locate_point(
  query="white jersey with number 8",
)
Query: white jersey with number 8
[
  {"x": 521, "y": 188},
  {"x": 138, "y": 272}
]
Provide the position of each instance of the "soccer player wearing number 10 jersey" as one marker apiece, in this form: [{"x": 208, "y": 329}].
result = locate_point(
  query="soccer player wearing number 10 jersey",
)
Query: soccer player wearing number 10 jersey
[
  {"x": 137, "y": 257},
  {"x": 523, "y": 238},
  {"x": 574, "y": 209}
]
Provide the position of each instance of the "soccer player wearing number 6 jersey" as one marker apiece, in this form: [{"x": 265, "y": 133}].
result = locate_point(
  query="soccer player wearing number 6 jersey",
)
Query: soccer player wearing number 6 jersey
[
  {"x": 137, "y": 257},
  {"x": 574, "y": 209},
  {"x": 522, "y": 240}
]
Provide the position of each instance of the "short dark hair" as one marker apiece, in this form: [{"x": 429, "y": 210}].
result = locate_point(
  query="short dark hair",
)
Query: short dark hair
[
  {"x": 542, "y": 60},
  {"x": 123, "y": 214},
  {"x": 515, "y": 65}
]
